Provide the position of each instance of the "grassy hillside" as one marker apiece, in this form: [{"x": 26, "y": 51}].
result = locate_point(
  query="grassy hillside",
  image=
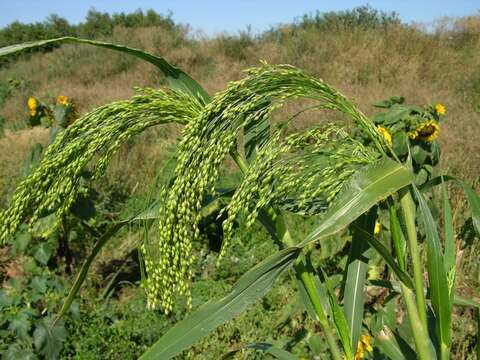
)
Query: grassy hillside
[
  {"x": 367, "y": 60},
  {"x": 367, "y": 64}
]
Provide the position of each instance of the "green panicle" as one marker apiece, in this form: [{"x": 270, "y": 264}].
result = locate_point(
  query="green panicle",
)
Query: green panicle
[
  {"x": 301, "y": 173},
  {"x": 205, "y": 144},
  {"x": 53, "y": 186}
]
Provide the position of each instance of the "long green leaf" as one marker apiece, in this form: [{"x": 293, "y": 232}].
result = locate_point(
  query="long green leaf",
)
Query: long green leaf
[
  {"x": 252, "y": 286},
  {"x": 474, "y": 202},
  {"x": 450, "y": 249},
  {"x": 177, "y": 79},
  {"x": 437, "y": 276},
  {"x": 356, "y": 273},
  {"x": 339, "y": 318},
  {"x": 472, "y": 198},
  {"x": 369, "y": 186}
]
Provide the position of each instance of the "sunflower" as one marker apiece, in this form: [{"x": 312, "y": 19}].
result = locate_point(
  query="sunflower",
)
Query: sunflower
[
  {"x": 428, "y": 131},
  {"x": 386, "y": 135},
  {"x": 363, "y": 345},
  {"x": 62, "y": 99},
  {"x": 32, "y": 105},
  {"x": 440, "y": 109}
]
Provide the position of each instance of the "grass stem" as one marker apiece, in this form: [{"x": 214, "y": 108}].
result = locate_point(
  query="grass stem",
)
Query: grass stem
[
  {"x": 423, "y": 345},
  {"x": 308, "y": 282},
  {"x": 408, "y": 215}
]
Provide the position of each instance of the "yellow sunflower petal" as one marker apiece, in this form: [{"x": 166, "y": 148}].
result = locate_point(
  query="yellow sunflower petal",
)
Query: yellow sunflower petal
[
  {"x": 32, "y": 103},
  {"x": 62, "y": 99},
  {"x": 440, "y": 109},
  {"x": 360, "y": 354},
  {"x": 366, "y": 340},
  {"x": 386, "y": 135}
]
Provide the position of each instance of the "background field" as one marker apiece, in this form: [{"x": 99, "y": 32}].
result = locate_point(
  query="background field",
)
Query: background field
[{"x": 368, "y": 59}]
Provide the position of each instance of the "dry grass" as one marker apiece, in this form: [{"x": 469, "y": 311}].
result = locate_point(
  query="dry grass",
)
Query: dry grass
[
  {"x": 365, "y": 65},
  {"x": 14, "y": 148}
]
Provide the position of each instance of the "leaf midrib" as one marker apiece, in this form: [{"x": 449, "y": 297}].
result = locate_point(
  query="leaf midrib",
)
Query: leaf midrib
[{"x": 347, "y": 207}]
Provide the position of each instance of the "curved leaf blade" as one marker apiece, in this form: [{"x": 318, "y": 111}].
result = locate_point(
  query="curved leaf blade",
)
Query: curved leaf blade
[
  {"x": 472, "y": 197},
  {"x": 474, "y": 202},
  {"x": 355, "y": 276},
  {"x": 354, "y": 300},
  {"x": 339, "y": 318},
  {"x": 437, "y": 277},
  {"x": 177, "y": 79},
  {"x": 369, "y": 186},
  {"x": 82, "y": 274}
]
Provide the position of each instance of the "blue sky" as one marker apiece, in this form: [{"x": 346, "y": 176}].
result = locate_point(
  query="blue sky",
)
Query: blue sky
[{"x": 213, "y": 16}]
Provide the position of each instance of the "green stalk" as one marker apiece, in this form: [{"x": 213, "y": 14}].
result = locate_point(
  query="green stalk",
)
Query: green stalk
[
  {"x": 85, "y": 267},
  {"x": 408, "y": 214},
  {"x": 242, "y": 165},
  {"x": 397, "y": 237},
  {"x": 420, "y": 334},
  {"x": 444, "y": 351},
  {"x": 308, "y": 282}
]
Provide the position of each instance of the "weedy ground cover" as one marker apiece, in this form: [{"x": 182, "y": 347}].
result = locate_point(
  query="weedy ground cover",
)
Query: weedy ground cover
[{"x": 365, "y": 186}]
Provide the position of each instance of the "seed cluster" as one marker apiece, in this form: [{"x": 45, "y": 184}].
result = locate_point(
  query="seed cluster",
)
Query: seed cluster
[
  {"x": 54, "y": 184},
  {"x": 301, "y": 173},
  {"x": 204, "y": 146}
]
